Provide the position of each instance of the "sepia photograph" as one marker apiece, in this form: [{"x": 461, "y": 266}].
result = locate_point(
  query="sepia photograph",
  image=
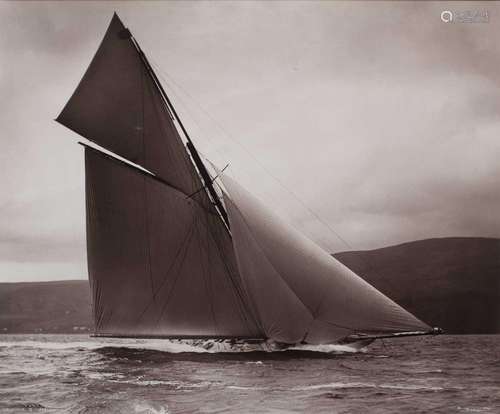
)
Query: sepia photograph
[{"x": 249, "y": 206}]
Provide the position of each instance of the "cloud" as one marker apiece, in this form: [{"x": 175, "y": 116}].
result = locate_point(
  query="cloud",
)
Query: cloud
[{"x": 379, "y": 117}]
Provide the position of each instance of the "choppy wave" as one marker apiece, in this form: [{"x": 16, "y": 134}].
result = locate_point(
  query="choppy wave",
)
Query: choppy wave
[
  {"x": 76, "y": 374},
  {"x": 142, "y": 408},
  {"x": 156, "y": 345},
  {"x": 340, "y": 385},
  {"x": 177, "y": 346},
  {"x": 329, "y": 349}
]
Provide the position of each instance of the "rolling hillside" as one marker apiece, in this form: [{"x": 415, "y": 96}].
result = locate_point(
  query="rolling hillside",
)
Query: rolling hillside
[
  {"x": 48, "y": 307},
  {"x": 453, "y": 283}
]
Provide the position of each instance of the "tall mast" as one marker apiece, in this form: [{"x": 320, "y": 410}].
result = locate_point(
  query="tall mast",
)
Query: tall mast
[{"x": 195, "y": 156}]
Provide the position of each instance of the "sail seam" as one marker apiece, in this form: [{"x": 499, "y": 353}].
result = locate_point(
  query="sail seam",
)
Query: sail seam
[
  {"x": 146, "y": 222},
  {"x": 202, "y": 177},
  {"x": 176, "y": 279},
  {"x": 269, "y": 260},
  {"x": 313, "y": 314},
  {"x": 314, "y": 317},
  {"x": 171, "y": 266},
  {"x": 206, "y": 280},
  {"x": 89, "y": 204},
  {"x": 242, "y": 307},
  {"x": 145, "y": 189},
  {"x": 209, "y": 266}
]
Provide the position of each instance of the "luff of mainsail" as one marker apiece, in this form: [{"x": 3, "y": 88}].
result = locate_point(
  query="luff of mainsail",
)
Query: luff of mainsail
[
  {"x": 299, "y": 291},
  {"x": 160, "y": 259}
]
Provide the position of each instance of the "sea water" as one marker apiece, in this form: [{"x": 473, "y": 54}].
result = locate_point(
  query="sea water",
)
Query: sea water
[{"x": 78, "y": 374}]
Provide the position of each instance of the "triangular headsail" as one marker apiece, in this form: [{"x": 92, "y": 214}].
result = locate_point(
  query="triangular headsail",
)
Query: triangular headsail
[
  {"x": 306, "y": 285},
  {"x": 118, "y": 106}
]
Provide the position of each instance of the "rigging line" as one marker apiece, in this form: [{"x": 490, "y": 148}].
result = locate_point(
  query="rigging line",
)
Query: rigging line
[
  {"x": 97, "y": 304},
  {"x": 240, "y": 294},
  {"x": 187, "y": 111},
  {"x": 204, "y": 269},
  {"x": 89, "y": 220},
  {"x": 110, "y": 316},
  {"x": 262, "y": 166},
  {"x": 167, "y": 273},
  {"x": 348, "y": 328},
  {"x": 146, "y": 173},
  {"x": 192, "y": 149},
  {"x": 172, "y": 129},
  {"x": 145, "y": 190},
  {"x": 266, "y": 256},
  {"x": 212, "y": 181},
  {"x": 170, "y": 120},
  {"x": 283, "y": 279},
  {"x": 148, "y": 244},
  {"x": 176, "y": 279}
]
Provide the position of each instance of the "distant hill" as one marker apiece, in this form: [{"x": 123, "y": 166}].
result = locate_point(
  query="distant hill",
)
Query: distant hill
[
  {"x": 48, "y": 307},
  {"x": 453, "y": 283}
]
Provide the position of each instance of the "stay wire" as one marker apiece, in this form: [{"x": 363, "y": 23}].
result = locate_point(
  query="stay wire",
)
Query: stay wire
[
  {"x": 253, "y": 157},
  {"x": 164, "y": 74}
]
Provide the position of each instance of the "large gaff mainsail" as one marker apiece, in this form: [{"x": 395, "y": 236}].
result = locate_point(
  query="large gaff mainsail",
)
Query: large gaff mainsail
[
  {"x": 300, "y": 292},
  {"x": 160, "y": 258}
]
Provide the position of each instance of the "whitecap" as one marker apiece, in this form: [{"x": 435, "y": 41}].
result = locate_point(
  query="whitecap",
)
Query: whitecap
[
  {"x": 178, "y": 346},
  {"x": 143, "y": 408},
  {"x": 339, "y": 385},
  {"x": 178, "y": 385},
  {"x": 243, "y": 388}
]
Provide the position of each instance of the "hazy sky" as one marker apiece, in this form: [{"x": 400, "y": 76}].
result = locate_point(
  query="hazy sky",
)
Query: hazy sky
[{"x": 382, "y": 118}]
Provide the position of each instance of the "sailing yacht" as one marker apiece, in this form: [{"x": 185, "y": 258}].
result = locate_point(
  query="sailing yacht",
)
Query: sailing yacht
[{"x": 171, "y": 255}]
